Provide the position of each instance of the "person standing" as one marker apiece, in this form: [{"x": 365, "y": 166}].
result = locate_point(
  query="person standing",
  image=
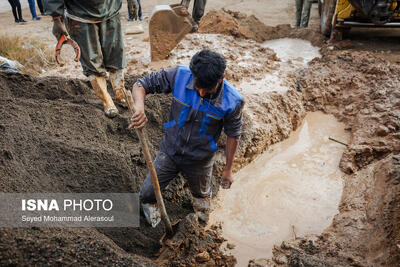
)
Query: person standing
[
  {"x": 40, "y": 6},
  {"x": 95, "y": 25},
  {"x": 16, "y": 10},
  {"x": 32, "y": 8},
  {"x": 132, "y": 10},
  {"x": 303, "y": 9},
  {"x": 203, "y": 104},
  {"x": 198, "y": 10}
]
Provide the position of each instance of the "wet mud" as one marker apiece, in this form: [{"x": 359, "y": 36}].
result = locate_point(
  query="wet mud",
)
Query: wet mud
[
  {"x": 55, "y": 138},
  {"x": 364, "y": 94},
  {"x": 292, "y": 189}
]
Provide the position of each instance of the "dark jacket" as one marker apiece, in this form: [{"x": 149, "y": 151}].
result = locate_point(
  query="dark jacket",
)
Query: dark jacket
[{"x": 195, "y": 123}]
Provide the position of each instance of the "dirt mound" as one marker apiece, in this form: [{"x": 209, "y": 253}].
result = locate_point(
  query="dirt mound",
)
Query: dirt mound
[
  {"x": 366, "y": 232},
  {"x": 240, "y": 25}
]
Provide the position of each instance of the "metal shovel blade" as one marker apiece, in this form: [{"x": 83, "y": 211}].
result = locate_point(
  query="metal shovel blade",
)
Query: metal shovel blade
[{"x": 168, "y": 26}]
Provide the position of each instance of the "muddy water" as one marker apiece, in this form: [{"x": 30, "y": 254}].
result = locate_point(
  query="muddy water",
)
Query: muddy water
[
  {"x": 294, "y": 188},
  {"x": 294, "y": 54}
]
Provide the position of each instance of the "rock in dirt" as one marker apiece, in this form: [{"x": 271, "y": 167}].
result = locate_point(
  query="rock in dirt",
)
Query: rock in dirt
[{"x": 202, "y": 257}]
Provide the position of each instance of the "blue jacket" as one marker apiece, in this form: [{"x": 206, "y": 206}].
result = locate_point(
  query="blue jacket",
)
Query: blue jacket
[{"x": 195, "y": 123}]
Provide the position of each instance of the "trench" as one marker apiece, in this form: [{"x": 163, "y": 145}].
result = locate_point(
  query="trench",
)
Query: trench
[{"x": 291, "y": 190}]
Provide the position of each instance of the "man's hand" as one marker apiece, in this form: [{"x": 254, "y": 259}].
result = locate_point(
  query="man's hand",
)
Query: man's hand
[
  {"x": 227, "y": 179},
  {"x": 231, "y": 147},
  {"x": 59, "y": 27},
  {"x": 139, "y": 119}
]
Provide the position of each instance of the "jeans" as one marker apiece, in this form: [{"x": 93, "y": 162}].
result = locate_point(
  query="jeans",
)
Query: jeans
[{"x": 32, "y": 7}]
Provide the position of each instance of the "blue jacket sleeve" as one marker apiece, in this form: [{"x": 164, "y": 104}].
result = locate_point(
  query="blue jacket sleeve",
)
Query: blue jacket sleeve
[
  {"x": 162, "y": 81},
  {"x": 233, "y": 121}
]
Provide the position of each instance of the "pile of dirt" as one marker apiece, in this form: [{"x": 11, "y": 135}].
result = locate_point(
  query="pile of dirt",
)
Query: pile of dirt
[
  {"x": 241, "y": 25},
  {"x": 361, "y": 90},
  {"x": 55, "y": 138}
]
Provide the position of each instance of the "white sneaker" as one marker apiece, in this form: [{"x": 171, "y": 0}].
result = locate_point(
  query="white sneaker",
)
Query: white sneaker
[{"x": 152, "y": 214}]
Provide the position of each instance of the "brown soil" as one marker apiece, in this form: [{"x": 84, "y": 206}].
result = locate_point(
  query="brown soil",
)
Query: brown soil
[
  {"x": 366, "y": 97},
  {"x": 241, "y": 25},
  {"x": 55, "y": 138}
]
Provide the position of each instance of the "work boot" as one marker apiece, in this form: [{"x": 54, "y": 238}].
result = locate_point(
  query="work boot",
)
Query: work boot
[
  {"x": 117, "y": 82},
  {"x": 99, "y": 85},
  {"x": 201, "y": 207},
  {"x": 151, "y": 213}
]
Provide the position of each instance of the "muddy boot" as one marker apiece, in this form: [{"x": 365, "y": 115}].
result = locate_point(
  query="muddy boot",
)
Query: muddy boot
[
  {"x": 201, "y": 207},
  {"x": 151, "y": 213},
  {"x": 117, "y": 82},
  {"x": 99, "y": 85}
]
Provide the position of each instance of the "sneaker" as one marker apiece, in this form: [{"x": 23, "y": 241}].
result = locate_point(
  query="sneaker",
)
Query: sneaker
[
  {"x": 22, "y": 21},
  {"x": 152, "y": 214},
  {"x": 16, "y": 21},
  {"x": 37, "y": 18},
  {"x": 140, "y": 18}
]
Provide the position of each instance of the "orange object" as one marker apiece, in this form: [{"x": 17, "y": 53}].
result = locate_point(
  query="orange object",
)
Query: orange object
[{"x": 64, "y": 39}]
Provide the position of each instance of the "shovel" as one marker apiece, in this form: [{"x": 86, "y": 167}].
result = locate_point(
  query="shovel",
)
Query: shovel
[{"x": 150, "y": 166}]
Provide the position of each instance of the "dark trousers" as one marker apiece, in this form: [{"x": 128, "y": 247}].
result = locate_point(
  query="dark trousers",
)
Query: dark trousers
[
  {"x": 16, "y": 9},
  {"x": 140, "y": 9},
  {"x": 197, "y": 173},
  {"x": 40, "y": 6},
  {"x": 303, "y": 9},
  {"x": 198, "y": 10},
  {"x": 32, "y": 8}
]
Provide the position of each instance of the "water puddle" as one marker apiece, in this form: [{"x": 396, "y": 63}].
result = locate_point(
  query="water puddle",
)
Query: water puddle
[{"x": 294, "y": 188}]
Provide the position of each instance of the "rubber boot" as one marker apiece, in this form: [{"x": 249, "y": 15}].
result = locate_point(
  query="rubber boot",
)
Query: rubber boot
[
  {"x": 151, "y": 213},
  {"x": 201, "y": 207},
  {"x": 117, "y": 82},
  {"x": 99, "y": 85}
]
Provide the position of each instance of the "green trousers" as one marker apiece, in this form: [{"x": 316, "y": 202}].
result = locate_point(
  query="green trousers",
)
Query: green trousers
[
  {"x": 303, "y": 9},
  {"x": 102, "y": 45}
]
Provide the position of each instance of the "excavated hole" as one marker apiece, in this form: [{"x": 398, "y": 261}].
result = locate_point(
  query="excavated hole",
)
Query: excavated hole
[{"x": 291, "y": 190}]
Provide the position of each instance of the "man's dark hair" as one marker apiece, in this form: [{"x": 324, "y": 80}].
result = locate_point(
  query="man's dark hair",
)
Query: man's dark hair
[{"x": 208, "y": 68}]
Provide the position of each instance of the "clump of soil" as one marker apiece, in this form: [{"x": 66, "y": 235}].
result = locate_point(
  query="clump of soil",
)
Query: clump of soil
[
  {"x": 194, "y": 246},
  {"x": 360, "y": 89},
  {"x": 240, "y": 25}
]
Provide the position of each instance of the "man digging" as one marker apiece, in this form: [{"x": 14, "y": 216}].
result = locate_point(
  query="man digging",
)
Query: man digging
[{"x": 203, "y": 104}]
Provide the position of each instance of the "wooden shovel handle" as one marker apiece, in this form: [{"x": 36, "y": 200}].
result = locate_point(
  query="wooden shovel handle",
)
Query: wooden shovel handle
[{"x": 149, "y": 162}]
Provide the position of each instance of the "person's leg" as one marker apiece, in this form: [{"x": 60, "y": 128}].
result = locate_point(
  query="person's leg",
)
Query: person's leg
[
  {"x": 14, "y": 10},
  {"x": 198, "y": 175},
  {"x": 40, "y": 5},
  {"x": 299, "y": 8},
  {"x": 87, "y": 37},
  {"x": 140, "y": 15},
  {"x": 32, "y": 8},
  {"x": 166, "y": 171},
  {"x": 305, "y": 15},
  {"x": 198, "y": 10},
  {"x": 131, "y": 10},
  {"x": 112, "y": 46}
]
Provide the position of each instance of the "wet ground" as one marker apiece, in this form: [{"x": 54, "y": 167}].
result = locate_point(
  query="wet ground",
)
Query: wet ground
[{"x": 292, "y": 189}]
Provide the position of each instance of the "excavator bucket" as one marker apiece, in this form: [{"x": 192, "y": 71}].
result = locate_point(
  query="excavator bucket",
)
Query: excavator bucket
[{"x": 168, "y": 25}]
